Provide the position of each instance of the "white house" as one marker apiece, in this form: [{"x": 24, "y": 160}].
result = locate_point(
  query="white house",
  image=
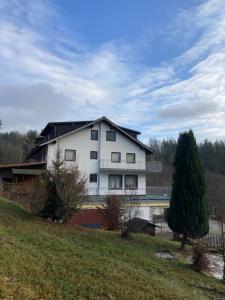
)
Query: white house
[{"x": 112, "y": 158}]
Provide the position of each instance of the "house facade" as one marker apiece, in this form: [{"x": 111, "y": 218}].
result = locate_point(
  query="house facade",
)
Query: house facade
[{"x": 111, "y": 157}]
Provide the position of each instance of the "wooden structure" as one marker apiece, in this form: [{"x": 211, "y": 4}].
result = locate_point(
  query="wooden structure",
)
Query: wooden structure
[
  {"x": 21, "y": 173},
  {"x": 138, "y": 225}
]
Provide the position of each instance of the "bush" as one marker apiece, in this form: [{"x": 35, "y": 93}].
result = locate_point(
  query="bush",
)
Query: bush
[
  {"x": 111, "y": 212},
  {"x": 200, "y": 258}
]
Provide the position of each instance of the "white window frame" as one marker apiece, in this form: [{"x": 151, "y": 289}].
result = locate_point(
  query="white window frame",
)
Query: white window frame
[
  {"x": 96, "y": 176},
  {"x": 119, "y": 157},
  {"x": 128, "y": 187},
  {"x": 109, "y": 139},
  {"x": 74, "y": 155},
  {"x": 92, "y": 152},
  {"x": 131, "y": 162},
  {"x": 94, "y": 130},
  {"x": 120, "y": 181}
]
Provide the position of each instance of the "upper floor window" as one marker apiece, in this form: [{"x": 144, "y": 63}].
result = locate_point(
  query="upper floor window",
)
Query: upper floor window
[
  {"x": 94, "y": 135},
  {"x": 130, "y": 158},
  {"x": 111, "y": 135},
  {"x": 115, "y": 157},
  {"x": 93, "y": 155},
  {"x": 70, "y": 155}
]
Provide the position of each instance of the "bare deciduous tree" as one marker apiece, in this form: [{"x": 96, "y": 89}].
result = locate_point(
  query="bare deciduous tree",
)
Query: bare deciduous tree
[
  {"x": 118, "y": 210},
  {"x": 129, "y": 210}
]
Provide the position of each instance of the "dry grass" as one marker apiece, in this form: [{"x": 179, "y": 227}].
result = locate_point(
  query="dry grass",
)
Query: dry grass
[{"x": 40, "y": 260}]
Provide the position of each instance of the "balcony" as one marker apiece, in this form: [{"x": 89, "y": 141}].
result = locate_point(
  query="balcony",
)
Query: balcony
[
  {"x": 107, "y": 165},
  {"x": 145, "y": 193},
  {"x": 138, "y": 166}
]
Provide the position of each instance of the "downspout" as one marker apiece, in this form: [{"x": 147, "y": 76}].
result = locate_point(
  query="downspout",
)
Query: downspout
[{"x": 99, "y": 159}]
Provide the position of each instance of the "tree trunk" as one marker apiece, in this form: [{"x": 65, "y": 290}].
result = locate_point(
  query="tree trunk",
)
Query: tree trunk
[
  {"x": 176, "y": 236},
  {"x": 125, "y": 234},
  {"x": 183, "y": 242}
]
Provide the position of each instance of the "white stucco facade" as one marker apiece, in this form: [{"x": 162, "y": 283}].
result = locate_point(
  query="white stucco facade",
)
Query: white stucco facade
[{"x": 81, "y": 142}]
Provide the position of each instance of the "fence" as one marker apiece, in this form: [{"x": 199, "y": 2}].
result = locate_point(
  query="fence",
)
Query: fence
[
  {"x": 213, "y": 241},
  {"x": 17, "y": 192}
]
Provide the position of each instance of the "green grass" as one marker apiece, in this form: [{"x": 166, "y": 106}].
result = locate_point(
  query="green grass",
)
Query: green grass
[{"x": 40, "y": 260}]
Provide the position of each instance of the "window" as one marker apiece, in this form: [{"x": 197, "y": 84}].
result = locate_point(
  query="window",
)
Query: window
[
  {"x": 93, "y": 155},
  {"x": 93, "y": 177},
  {"x": 115, "y": 157},
  {"x": 131, "y": 182},
  {"x": 110, "y": 135},
  {"x": 131, "y": 158},
  {"x": 94, "y": 135},
  {"x": 115, "y": 182},
  {"x": 70, "y": 155}
]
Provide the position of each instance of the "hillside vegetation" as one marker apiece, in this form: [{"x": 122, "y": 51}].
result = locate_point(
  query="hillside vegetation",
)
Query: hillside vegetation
[{"x": 40, "y": 260}]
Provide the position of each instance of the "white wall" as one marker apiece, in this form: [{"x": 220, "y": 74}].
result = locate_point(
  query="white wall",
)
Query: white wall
[
  {"x": 82, "y": 143},
  {"x": 144, "y": 213}
]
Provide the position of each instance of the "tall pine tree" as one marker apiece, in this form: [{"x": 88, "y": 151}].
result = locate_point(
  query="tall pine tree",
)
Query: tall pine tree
[{"x": 188, "y": 212}]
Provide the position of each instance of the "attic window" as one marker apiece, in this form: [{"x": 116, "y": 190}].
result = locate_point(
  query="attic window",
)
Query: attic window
[
  {"x": 70, "y": 155},
  {"x": 111, "y": 135},
  {"x": 94, "y": 135}
]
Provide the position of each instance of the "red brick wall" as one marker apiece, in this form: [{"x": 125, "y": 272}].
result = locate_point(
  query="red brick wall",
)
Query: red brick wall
[{"x": 88, "y": 216}]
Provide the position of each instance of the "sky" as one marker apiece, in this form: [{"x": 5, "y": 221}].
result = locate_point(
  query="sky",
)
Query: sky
[{"x": 155, "y": 66}]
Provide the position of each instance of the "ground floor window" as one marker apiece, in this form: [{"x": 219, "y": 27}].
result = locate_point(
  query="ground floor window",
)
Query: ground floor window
[
  {"x": 115, "y": 181},
  {"x": 131, "y": 181}
]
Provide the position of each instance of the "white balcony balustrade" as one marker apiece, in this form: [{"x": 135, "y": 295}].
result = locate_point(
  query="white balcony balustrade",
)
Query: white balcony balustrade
[
  {"x": 152, "y": 192},
  {"x": 106, "y": 164}
]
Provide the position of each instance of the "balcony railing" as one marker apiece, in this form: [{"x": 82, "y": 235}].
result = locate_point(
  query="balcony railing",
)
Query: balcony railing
[
  {"x": 151, "y": 192},
  {"x": 107, "y": 164}
]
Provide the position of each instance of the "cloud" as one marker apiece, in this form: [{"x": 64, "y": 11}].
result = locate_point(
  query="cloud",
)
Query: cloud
[
  {"x": 48, "y": 73},
  {"x": 24, "y": 105}
]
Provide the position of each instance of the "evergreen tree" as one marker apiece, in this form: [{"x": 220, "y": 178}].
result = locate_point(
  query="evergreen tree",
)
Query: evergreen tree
[
  {"x": 53, "y": 203},
  {"x": 188, "y": 213}
]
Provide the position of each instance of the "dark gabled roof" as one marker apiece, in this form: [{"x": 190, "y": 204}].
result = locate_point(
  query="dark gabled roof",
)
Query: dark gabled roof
[
  {"x": 59, "y": 128},
  {"x": 71, "y": 125},
  {"x": 85, "y": 124},
  {"x": 139, "y": 223},
  {"x": 128, "y": 129}
]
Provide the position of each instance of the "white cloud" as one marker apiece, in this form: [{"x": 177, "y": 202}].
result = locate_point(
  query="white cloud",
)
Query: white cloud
[{"x": 46, "y": 76}]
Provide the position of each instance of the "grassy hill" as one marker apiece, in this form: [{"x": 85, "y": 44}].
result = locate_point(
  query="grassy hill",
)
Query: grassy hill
[{"x": 39, "y": 260}]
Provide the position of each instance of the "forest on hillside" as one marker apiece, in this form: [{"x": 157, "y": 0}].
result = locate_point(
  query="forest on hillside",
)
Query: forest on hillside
[
  {"x": 15, "y": 146},
  {"x": 212, "y": 155}
]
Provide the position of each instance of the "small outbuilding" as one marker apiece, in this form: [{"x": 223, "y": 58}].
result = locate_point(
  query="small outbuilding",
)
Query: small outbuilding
[
  {"x": 21, "y": 173},
  {"x": 138, "y": 225}
]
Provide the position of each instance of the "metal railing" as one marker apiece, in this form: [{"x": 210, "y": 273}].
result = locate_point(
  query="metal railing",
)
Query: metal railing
[
  {"x": 154, "y": 166},
  {"x": 152, "y": 192},
  {"x": 159, "y": 191}
]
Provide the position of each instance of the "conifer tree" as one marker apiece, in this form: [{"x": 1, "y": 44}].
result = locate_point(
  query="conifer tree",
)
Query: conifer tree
[{"x": 188, "y": 212}]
